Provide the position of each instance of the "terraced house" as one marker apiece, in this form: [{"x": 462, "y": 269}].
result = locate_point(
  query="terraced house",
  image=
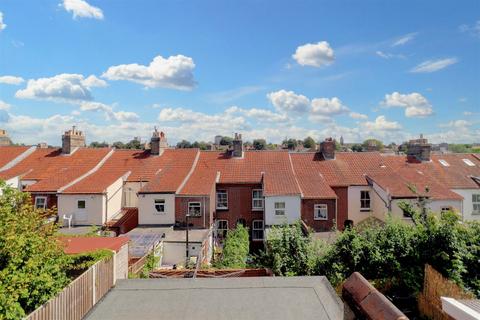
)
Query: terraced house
[{"x": 165, "y": 187}]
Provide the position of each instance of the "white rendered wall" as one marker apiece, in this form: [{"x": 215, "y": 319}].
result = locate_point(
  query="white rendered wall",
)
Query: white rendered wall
[
  {"x": 292, "y": 210},
  {"x": 467, "y": 203},
  {"x": 94, "y": 211},
  {"x": 147, "y": 213}
]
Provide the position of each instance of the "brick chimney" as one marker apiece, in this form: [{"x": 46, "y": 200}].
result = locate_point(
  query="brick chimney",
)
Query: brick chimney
[
  {"x": 158, "y": 143},
  {"x": 4, "y": 139},
  {"x": 237, "y": 151},
  {"x": 418, "y": 150},
  {"x": 72, "y": 139},
  {"x": 327, "y": 148}
]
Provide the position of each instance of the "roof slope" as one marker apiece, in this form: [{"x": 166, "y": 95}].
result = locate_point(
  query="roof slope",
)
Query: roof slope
[
  {"x": 53, "y": 169},
  {"x": 277, "y": 298},
  {"x": 271, "y": 167},
  {"x": 9, "y": 153},
  {"x": 75, "y": 245}
]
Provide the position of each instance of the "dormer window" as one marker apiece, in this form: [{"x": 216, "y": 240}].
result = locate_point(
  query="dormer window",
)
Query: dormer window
[
  {"x": 468, "y": 162},
  {"x": 444, "y": 163}
]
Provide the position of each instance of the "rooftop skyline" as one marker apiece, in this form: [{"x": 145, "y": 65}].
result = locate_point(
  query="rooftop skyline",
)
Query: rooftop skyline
[{"x": 266, "y": 69}]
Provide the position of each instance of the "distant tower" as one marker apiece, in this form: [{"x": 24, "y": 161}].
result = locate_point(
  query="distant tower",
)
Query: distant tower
[
  {"x": 237, "y": 146},
  {"x": 72, "y": 139},
  {"x": 158, "y": 143},
  {"x": 4, "y": 139},
  {"x": 341, "y": 140}
]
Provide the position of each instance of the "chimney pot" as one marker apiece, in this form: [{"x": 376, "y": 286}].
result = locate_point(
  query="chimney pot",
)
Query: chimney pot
[
  {"x": 72, "y": 139},
  {"x": 237, "y": 146},
  {"x": 158, "y": 142}
]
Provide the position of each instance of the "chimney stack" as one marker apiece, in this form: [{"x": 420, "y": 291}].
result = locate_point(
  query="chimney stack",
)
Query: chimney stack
[
  {"x": 237, "y": 146},
  {"x": 418, "y": 150},
  {"x": 158, "y": 143},
  {"x": 327, "y": 148},
  {"x": 4, "y": 139},
  {"x": 71, "y": 140}
]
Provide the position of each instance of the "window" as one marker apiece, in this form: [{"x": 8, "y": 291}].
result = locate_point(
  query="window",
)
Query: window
[
  {"x": 279, "y": 208},
  {"x": 364, "y": 200},
  {"x": 40, "y": 202},
  {"x": 257, "y": 230},
  {"x": 320, "y": 212},
  {"x": 476, "y": 203},
  {"x": 257, "y": 199},
  {"x": 194, "y": 209},
  {"x": 222, "y": 228},
  {"x": 160, "y": 205},
  {"x": 81, "y": 204},
  {"x": 222, "y": 199},
  {"x": 445, "y": 210},
  {"x": 444, "y": 163},
  {"x": 468, "y": 162},
  {"x": 406, "y": 214}
]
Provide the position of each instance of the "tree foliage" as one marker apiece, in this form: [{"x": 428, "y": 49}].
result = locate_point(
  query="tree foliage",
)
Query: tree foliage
[
  {"x": 291, "y": 144},
  {"x": 32, "y": 263},
  {"x": 259, "y": 144},
  {"x": 97, "y": 144},
  {"x": 372, "y": 142},
  {"x": 235, "y": 249},
  {"x": 308, "y": 142}
]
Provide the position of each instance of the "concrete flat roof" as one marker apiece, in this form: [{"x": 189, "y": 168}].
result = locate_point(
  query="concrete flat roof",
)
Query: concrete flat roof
[
  {"x": 278, "y": 298},
  {"x": 194, "y": 235}
]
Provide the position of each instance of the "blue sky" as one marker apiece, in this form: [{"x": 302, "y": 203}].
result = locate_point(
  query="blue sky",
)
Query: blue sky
[{"x": 271, "y": 69}]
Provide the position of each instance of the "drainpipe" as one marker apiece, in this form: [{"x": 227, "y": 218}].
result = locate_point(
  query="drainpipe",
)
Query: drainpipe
[{"x": 336, "y": 213}]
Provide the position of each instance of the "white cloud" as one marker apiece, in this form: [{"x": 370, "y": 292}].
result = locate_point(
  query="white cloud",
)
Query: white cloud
[
  {"x": 314, "y": 54},
  {"x": 433, "y": 65},
  {"x": 174, "y": 72},
  {"x": 457, "y": 124},
  {"x": 81, "y": 9},
  {"x": 404, "y": 39},
  {"x": 289, "y": 101},
  {"x": 4, "y": 105},
  {"x": 110, "y": 114},
  {"x": 386, "y": 55},
  {"x": 11, "y": 80},
  {"x": 473, "y": 29},
  {"x": 356, "y": 115},
  {"x": 2, "y": 24},
  {"x": 328, "y": 107},
  {"x": 382, "y": 124},
  {"x": 258, "y": 114},
  {"x": 414, "y": 103},
  {"x": 64, "y": 87}
]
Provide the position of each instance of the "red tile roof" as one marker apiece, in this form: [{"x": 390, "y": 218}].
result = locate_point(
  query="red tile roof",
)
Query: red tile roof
[
  {"x": 271, "y": 167},
  {"x": 9, "y": 153},
  {"x": 75, "y": 245},
  {"x": 52, "y": 169},
  {"x": 399, "y": 184}
]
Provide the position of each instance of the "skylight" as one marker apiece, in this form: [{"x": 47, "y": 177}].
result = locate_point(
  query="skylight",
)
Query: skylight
[
  {"x": 468, "y": 162},
  {"x": 444, "y": 163}
]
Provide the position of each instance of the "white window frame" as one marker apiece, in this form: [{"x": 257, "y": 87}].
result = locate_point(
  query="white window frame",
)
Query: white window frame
[
  {"x": 469, "y": 162},
  {"x": 279, "y": 211},
  {"x": 362, "y": 199},
  {"x": 44, "y": 198},
  {"x": 155, "y": 206},
  {"x": 196, "y": 204},
  {"x": 85, "y": 201},
  {"x": 317, "y": 208},
  {"x": 444, "y": 163},
  {"x": 257, "y": 199},
  {"x": 223, "y": 192},
  {"x": 254, "y": 238},
  {"x": 223, "y": 233},
  {"x": 476, "y": 204}
]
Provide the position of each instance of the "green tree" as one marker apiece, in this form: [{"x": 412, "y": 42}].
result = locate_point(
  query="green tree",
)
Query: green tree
[
  {"x": 134, "y": 144},
  {"x": 118, "y": 145},
  {"x": 369, "y": 143},
  {"x": 32, "y": 263},
  {"x": 201, "y": 145},
  {"x": 308, "y": 142},
  {"x": 291, "y": 144},
  {"x": 357, "y": 147},
  {"x": 96, "y": 144},
  {"x": 259, "y": 144},
  {"x": 226, "y": 141},
  {"x": 235, "y": 249},
  {"x": 184, "y": 144}
]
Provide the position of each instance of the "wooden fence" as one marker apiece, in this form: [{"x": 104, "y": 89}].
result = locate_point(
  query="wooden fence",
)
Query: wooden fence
[
  {"x": 74, "y": 301},
  {"x": 435, "y": 286}
]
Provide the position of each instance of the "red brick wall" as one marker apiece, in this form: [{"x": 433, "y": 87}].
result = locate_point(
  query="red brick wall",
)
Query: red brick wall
[
  {"x": 181, "y": 209},
  {"x": 51, "y": 199},
  {"x": 308, "y": 214},
  {"x": 239, "y": 205},
  {"x": 342, "y": 205}
]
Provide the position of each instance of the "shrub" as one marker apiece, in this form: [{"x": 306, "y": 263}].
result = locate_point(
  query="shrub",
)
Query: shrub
[{"x": 235, "y": 249}]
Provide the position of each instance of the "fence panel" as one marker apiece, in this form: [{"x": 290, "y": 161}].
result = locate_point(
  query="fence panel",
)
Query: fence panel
[{"x": 75, "y": 300}]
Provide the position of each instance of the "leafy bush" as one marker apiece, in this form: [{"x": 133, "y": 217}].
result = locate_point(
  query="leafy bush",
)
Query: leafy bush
[
  {"x": 289, "y": 252},
  {"x": 32, "y": 263},
  {"x": 150, "y": 264},
  {"x": 235, "y": 249},
  {"x": 78, "y": 263}
]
